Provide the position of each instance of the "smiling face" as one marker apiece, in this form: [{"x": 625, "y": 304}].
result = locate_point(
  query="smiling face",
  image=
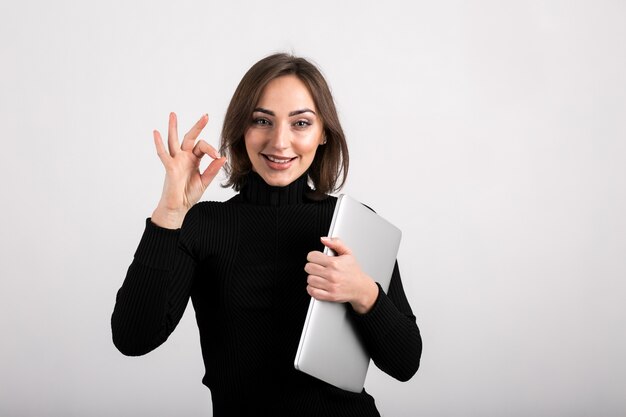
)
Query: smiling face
[{"x": 285, "y": 132}]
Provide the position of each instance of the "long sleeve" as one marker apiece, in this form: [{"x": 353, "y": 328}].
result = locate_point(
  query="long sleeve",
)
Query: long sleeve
[
  {"x": 390, "y": 332},
  {"x": 155, "y": 292}
]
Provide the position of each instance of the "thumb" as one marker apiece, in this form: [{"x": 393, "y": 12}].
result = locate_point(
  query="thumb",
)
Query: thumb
[
  {"x": 336, "y": 245},
  {"x": 211, "y": 171}
]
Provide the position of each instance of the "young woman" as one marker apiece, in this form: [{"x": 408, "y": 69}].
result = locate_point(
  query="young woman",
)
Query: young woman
[{"x": 251, "y": 264}]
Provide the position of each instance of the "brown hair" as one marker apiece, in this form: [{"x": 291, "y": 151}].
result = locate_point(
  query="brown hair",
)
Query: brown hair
[{"x": 329, "y": 168}]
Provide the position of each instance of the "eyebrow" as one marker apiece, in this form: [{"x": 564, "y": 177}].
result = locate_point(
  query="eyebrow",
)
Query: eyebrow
[{"x": 293, "y": 113}]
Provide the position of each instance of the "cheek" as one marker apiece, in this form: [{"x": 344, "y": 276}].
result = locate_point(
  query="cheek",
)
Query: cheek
[
  {"x": 307, "y": 150},
  {"x": 250, "y": 142},
  {"x": 251, "y": 150},
  {"x": 308, "y": 146}
]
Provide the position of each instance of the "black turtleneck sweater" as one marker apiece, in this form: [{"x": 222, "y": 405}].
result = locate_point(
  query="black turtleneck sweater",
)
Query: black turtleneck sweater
[{"x": 242, "y": 263}]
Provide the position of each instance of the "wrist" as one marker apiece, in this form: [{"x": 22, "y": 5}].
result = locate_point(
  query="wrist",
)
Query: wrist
[
  {"x": 168, "y": 219},
  {"x": 367, "y": 299}
]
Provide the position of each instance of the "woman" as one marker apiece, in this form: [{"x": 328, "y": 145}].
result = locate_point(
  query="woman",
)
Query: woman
[{"x": 250, "y": 264}]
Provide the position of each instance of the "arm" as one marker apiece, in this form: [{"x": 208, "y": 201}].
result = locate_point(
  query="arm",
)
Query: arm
[
  {"x": 155, "y": 292},
  {"x": 390, "y": 332}
]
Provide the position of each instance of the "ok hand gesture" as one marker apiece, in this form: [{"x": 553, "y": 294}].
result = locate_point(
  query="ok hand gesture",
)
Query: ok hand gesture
[{"x": 184, "y": 184}]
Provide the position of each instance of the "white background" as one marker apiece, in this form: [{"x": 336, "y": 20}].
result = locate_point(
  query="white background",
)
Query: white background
[{"x": 492, "y": 132}]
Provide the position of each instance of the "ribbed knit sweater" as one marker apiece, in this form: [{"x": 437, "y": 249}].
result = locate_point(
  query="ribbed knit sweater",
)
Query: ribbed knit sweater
[{"x": 242, "y": 264}]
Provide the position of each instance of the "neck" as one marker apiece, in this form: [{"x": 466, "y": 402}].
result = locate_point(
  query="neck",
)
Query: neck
[{"x": 257, "y": 191}]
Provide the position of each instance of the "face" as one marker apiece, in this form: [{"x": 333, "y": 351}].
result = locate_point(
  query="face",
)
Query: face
[{"x": 285, "y": 132}]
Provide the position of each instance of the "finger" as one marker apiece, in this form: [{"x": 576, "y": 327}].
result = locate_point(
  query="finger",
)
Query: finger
[
  {"x": 315, "y": 293},
  {"x": 316, "y": 281},
  {"x": 336, "y": 245},
  {"x": 320, "y": 294},
  {"x": 211, "y": 171},
  {"x": 158, "y": 142},
  {"x": 172, "y": 134},
  {"x": 319, "y": 258},
  {"x": 314, "y": 269},
  {"x": 202, "y": 148},
  {"x": 190, "y": 137}
]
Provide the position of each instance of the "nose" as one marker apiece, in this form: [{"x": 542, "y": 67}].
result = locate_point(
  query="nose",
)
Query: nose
[{"x": 280, "y": 137}]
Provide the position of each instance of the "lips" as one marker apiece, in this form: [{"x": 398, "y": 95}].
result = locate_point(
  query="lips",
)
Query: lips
[
  {"x": 278, "y": 163},
  {"x": 277, "y": 159}
]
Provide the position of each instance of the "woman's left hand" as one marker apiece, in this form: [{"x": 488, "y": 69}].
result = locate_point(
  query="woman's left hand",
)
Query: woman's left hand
[{"x": 339, "y": 278}]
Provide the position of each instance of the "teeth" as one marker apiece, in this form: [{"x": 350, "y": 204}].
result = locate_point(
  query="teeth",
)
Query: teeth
[{"x": 278, "y": 161}]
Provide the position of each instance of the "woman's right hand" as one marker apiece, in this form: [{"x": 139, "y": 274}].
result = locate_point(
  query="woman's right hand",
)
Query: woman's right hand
[{"x": 184, "y": 185}]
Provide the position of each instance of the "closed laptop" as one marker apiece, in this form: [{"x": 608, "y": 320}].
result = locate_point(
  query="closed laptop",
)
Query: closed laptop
[{"x": 329, "y": 347}]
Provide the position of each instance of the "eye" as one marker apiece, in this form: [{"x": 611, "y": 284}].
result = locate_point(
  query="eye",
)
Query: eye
[
  {"x": 261, "y": 121},
  {"x": 302, "y": 123}
]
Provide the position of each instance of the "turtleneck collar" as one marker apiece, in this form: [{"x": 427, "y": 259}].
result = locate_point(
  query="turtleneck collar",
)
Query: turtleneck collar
[{"x": 257, "y": 191}]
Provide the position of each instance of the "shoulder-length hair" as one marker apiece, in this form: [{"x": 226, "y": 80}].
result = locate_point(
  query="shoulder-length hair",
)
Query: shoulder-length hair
[{"x": 329, "y": 168}]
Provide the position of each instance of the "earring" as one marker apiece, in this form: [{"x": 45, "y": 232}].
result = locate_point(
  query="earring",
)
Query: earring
[{"x": 324, "y": 141}]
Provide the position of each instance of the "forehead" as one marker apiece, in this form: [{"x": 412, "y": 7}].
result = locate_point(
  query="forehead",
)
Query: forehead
[{"x": 286, "y": 92}]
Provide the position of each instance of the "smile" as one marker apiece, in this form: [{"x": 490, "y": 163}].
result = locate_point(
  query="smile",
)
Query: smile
[{"x": 278, "y": 160}]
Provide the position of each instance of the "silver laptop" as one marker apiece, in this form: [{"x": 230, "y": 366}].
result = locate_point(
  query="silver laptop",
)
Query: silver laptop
[{"x": 330, "y": 348}]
